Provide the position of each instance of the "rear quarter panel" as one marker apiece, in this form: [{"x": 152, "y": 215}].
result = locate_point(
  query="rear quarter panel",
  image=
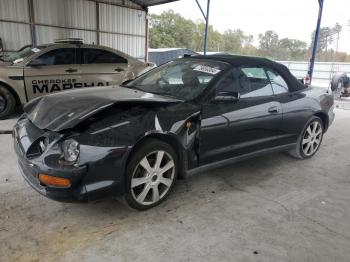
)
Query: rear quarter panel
[{"x": 300, "y": 106}]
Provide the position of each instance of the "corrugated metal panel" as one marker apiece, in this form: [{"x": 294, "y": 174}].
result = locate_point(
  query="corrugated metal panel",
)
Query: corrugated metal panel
[
  {"x": 14, "y": 10},
  {"x": 14, "y": 35},
  {"x": 47, "y": 34},
  {"x": 122, "y": 20},
  {"x": 66, "y": 13},
  {"x": 144, "y": 3},
  {"x": 123, "y": 2},
  {"x": 132, "y": 45}
]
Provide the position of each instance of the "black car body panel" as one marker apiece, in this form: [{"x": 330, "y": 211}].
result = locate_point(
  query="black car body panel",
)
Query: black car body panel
[
  {"x": 61, "y": 111},
  {"x": 109, "y": 123}
]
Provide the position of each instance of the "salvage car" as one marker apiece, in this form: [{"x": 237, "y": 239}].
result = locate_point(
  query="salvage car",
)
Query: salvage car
[
  {"x": 133, "y": 141},
  {"x": 64, "y": 65}
]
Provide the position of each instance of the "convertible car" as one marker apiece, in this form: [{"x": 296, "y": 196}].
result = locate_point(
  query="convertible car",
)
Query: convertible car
[{"x": 133, "y": 141}]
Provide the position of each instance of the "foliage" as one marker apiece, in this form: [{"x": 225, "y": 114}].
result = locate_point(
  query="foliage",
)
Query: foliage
[{"x": 170, "y": 29}]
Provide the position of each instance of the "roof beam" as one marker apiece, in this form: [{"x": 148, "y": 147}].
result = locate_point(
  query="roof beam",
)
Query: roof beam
[
  {"x": 138, "y": 3},
  {"x": 147, "y": 3}
]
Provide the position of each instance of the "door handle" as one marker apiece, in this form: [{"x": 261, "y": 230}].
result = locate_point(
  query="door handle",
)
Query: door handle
[
  {"x": 71, "y": 70},
  {"x": 119, "y": 69},
  {"x": 273, "y": 110}
]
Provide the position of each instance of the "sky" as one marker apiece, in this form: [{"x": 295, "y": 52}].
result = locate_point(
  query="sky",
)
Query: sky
[{"x": 289, "y": 18}]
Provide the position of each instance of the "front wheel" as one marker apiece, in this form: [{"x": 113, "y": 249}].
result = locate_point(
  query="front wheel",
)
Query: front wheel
[
  {"x": 7, "y": 103},
  {"x": 309, "y": 140},
  {"x": 151, "y": 173}
]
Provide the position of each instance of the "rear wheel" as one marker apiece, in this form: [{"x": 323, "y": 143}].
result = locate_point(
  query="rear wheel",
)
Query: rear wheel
[
  {"x": 310, "y": 139},
  {"x": 151, "y": 173},
  {"x": 7, "y": 102}
]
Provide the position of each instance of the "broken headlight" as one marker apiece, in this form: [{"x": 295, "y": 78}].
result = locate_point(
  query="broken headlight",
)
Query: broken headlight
[{"x": 71, "y": 150}]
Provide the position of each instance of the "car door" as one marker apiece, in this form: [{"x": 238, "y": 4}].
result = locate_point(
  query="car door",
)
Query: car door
[
  {"x": 294, "y": 107},
  {"x": 249, "y": 124},
  {"x": 101, "y": 67},
  {"x": 53, "y": 71}
]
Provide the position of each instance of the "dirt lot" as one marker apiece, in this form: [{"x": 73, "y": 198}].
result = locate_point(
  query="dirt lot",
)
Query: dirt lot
[{"x": 273, "y": 208}]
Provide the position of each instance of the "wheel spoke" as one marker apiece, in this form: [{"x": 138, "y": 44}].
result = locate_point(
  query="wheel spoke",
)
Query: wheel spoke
[
  {"x": 168, "y": 166},
  {"x": 141, "y": 197},
  {"x": 312, "y": 148},
  {"x": 165, "y": 181},
  {"x": 306, "y": 140},
  {"x": 138, "y": 181},
  {"x": 155, "y": 193},
  {"x": 145, "y": 164},
  {"x": 318, "y": 132},
  {"x": 308, "y": 130},
  {"x": 314, "y": 127},
  {"x": 307, "y": 148},
  {"x": 159, "y": 159}
]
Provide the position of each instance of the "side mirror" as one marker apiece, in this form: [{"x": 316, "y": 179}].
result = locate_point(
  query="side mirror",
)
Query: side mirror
[{"x": 226, "y": 97}]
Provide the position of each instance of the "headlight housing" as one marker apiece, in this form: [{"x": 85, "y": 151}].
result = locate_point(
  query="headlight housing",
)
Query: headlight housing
[{"x": 71, "y": 150}]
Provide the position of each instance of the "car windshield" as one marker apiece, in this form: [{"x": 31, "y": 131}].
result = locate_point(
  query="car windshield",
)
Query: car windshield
[
  {"x": 181, "y": 79},
  {"x": 21, "y": 54}
]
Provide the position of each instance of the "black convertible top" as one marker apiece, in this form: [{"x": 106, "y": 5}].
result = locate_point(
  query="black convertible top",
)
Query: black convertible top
[{"x": 237, "y": 60}]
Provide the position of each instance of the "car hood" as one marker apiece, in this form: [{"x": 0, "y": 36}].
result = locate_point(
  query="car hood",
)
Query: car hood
[{"x": 65, "y": 110}]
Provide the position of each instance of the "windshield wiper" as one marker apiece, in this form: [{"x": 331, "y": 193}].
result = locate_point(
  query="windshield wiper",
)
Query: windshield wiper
[
  {"x": 132, "y": 87},
  {"x": 163, "y": 94}
]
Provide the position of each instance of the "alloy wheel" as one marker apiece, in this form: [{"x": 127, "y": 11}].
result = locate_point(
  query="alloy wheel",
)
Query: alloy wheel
[
  {"x": 312, "y": 138},
  {"x": 153, "y": 177}
]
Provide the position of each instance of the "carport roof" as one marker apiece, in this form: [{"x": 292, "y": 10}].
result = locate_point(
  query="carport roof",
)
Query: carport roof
[{"x": 147, "y": 3}]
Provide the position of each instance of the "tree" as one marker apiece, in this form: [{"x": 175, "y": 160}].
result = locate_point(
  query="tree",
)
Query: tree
[
  {"x": 326, "y": 37},
  {"x": 268, "y": 43},
  {"x": 293, "y": 49},
  {"x": 170, "y": 29},
  {"x": 233, "y": 40}
]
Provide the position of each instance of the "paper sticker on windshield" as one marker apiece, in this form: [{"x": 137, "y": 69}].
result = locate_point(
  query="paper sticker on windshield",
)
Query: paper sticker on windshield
[
  {"x": 207, "y": 69},
  {"x": 35, "y": 50}
]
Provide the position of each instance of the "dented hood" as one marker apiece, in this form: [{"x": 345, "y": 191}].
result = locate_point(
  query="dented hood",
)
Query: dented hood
[{"x": 65, "y": 110}]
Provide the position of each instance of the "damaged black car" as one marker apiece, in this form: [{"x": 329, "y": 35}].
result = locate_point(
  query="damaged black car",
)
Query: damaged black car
[{"x": 184, "y": 117}]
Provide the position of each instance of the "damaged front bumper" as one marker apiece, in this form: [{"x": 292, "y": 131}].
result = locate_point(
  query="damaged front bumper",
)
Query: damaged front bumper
[{"x": 86, "y": 184}]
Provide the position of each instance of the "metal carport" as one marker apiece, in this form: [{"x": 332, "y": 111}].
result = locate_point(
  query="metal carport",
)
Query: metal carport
[{"x": 120, "y": 24}]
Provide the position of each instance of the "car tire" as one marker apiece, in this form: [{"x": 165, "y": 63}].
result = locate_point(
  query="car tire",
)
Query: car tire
[
  {"x": 309, "y": 140},
  {"x": 150, "y": 174},
  {"x": 7, "y": 102}
]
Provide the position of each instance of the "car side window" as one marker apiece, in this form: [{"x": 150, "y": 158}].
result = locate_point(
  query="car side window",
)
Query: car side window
[
  {"x": 61, "y": 56},
  {"x": 229, "y": 84},
  {"x": 253, "y": 82},
  {"x": 279, "y": 85},
  {"x": 100, "y": 56}
]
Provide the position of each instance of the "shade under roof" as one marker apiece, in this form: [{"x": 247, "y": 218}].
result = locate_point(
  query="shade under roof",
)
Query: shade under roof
[{"x": 147, "y": 3}]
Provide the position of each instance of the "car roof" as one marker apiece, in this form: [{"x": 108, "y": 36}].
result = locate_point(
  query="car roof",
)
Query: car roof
[
  {"x": 73, "y": 45},
  {"x": 238, "y": 59}
]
